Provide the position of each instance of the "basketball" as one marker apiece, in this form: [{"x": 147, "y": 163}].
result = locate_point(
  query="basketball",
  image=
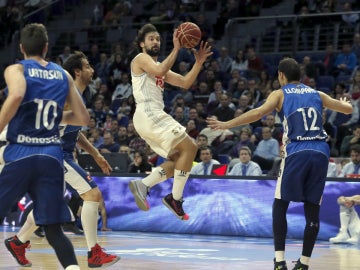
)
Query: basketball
[{"x": 189, "y": 34}]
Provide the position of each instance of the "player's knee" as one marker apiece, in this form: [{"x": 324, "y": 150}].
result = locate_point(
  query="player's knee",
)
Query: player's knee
[{"x": 92, "y": 195}]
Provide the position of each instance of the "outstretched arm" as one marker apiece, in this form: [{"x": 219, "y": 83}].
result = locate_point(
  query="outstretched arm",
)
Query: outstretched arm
[
  {"x": 343, "y": 105},
  {"x": 271, "y": 103},
  {"x": 186, "y": 81}
]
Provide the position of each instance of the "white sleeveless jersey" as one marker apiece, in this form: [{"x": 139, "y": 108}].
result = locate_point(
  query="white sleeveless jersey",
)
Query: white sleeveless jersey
[
  {"x": 159, "y": 129},
  {"x": 148, "y": 91}
]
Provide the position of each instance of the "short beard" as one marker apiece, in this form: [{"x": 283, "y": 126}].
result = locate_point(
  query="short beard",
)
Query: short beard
[{"x": 153, "y": 53}]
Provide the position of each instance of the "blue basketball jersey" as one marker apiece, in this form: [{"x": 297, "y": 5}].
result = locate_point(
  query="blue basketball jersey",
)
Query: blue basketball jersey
[
  {"x": 301, "y": 115},
  {"x": 47, "y": 89}
]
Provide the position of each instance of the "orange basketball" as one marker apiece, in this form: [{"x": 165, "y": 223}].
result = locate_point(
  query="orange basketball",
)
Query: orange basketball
[{"x": 189, "y": 34}]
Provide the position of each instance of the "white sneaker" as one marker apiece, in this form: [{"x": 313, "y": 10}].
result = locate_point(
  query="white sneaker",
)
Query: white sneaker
[
  {"x": 341, "y": 237},
  {"x": 353, "y": 240}
]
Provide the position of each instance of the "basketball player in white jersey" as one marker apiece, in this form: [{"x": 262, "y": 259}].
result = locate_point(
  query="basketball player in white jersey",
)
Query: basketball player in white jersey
[
  {"x": 306, "y": 154},
  {"x": 165, "y": 135}
]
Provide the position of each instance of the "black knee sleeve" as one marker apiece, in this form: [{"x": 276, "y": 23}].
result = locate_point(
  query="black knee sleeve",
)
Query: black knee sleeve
[{"x": 61, "y": 244}]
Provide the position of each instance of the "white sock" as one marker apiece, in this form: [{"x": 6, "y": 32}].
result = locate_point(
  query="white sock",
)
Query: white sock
[
  {"x": 344, "y": 218},
  {"x": 72, "y": 267},
  {"x": 157, "y": 175},
  {"x": 180, "y": 178},
  {"x": 89, "y": 221},
  {"x": 280, "y": 255},
  {"x": 305, "y": 260},
  {"x": 28, "y": 228}
]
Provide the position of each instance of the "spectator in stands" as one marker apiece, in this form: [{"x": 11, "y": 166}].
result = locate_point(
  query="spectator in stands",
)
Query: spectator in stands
[
  {"x": 245, "y": 167},
  {"x": 131, "y": 131},
  {"x": 202, "y": 90},
  {"x": 328, "y": 61},
  {"x": 102, "y": 68},
  {"x": 355, "y": 82},
  {"x": 238, "y": 129},
  {"x": 218, "y": 90},
  {"x": 253, "y": 92},
  {"x": 91, "y": 126},
  {"x": 140, "y": 163},
  {"x": 234, "y": 79},
  {"x": 239, "y": 90},
  {"x": 267, "y": 150},
  {"x": 105, "y": 94},
  {"x": 350, "y": 140},
  {"x": 199, "y": 121},
  {"x": 243, "y": 104},
  {"x": 345, "y": 61},
  {"x": 201, "y": 140},
  {"x": 191, "y": 129},
  {"x": 96, "y": 135},
  {"x": 204, "y": 25},
  {"x": 332, "y": 169},
  {"x": 353, "y": 167},
  {"x": 125, "y": 149},
  {"x": 123, "y": 89},
  {"x": 205, "y": 166},
  {"x": 240, "y": 62},
  {"x": 264, "y": 82},
  {"x": 255, "y": 63},
  {"x": 109, "y": 145},
  {"x": 311, "y": 69},
  {"x": 99, "y": 111},
  {"x": 137, "y": 143},
  {"x": 66, "y": 53},
  {"x": 224, "y": 112},
  {"x": 180, "y": 116},
  {"x": 349, "y": 231},
  {"x": 122, "y": 137},
  {"x": 276, "y": 130},
  {"x": 350, "y": 20},
  {"x": 123, "y": 114},
  {"x": 306, "y": 26},
  {"x": 94, "y": 56},
  {"x": 230, "y": 10},
  {"x": 244, "y": 140},
  {"x": 225, "y": 61},
  {"x": 355, "y": 47},
  {"x": 117, "y": 67}
]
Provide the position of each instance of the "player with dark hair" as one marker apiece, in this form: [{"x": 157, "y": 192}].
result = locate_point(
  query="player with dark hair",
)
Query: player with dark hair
[
  {"x": 306, "y": 154},
  {"x": 32, "y": 112},
  {"x": 79, "y": 180},
  {"x": 165, "y": 135}
]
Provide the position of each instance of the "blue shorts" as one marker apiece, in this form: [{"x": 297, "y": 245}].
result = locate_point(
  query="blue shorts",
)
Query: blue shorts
[
  {"x": 42, "y": 177},
  {"x": 302, "y": 177},
  {"x": 76, "y": 177}
]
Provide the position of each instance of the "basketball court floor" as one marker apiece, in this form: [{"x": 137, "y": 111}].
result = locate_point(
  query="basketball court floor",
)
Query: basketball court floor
[{"x": 153, "y": 251}]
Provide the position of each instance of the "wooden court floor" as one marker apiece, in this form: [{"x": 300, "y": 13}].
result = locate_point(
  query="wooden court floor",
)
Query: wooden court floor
[{"x": 152, "y": 251}]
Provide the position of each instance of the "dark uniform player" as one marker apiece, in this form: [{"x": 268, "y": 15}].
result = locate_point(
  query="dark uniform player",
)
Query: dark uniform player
[
  {"x": 304, "y": 166},
  {"x": 33, "y": 109}
]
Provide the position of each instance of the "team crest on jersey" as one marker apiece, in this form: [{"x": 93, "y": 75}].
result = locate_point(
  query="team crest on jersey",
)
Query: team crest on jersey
[{"x": 160, "y": 82}]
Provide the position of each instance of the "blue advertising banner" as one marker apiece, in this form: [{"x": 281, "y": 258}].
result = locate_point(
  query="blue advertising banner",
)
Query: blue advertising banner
[{"x": 222, "y": 206}]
